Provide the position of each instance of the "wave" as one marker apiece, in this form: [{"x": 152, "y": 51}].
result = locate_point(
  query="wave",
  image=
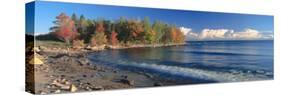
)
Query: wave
[
  {"x": 188, "y": 72},
  {"x": 217, "y": 53},
  {"x": 199, "y": 73}
]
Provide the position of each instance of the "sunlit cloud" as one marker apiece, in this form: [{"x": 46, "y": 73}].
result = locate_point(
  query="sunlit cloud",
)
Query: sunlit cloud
[{"x": 226, "y": 34}]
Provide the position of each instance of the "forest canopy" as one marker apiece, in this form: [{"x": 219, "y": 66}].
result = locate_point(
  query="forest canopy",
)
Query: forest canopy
[{"x": 122, "y": 31}]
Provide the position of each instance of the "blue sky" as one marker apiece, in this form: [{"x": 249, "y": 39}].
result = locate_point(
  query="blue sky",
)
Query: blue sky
[{"x": 45, "y": 13}]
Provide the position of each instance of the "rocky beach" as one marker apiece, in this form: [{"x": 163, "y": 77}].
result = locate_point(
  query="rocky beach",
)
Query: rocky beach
[{"x": 54, "y": 69}]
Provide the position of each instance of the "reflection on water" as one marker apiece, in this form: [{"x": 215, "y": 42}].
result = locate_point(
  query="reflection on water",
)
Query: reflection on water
[{"x": 214, "y": 60}]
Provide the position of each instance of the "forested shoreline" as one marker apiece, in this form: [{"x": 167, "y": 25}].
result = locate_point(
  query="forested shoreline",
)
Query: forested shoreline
[{"x": 80, "y": 32}]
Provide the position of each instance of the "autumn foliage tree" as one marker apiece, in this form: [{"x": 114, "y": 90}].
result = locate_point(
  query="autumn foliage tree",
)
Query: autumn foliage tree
[
  {"x": 65, "y": 29},
  {"x": 136, "y": 30},
  {"x": 100, "y": 27},
  {"x": 99, "y": 38},
  {"x": 113, "y": 38}
]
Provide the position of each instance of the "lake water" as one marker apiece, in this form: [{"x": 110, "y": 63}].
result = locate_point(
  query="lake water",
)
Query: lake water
[{"x": 213, "y": 61}]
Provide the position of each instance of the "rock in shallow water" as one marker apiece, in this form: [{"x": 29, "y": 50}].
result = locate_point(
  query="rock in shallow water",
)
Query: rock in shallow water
[
  {"x": 260, "y": 71},
  {"x": 126, "y": 81}
]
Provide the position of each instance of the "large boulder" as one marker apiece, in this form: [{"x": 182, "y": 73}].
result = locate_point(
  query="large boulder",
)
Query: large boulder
[
  {"x": 36, "y": 49},
  {"x": 35, "y": 59},
  {"x": 73, "y": 88}
]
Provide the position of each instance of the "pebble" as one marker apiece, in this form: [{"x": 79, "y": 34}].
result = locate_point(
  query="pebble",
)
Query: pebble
[
  {"x": 88, "y": 88},
  {"x": 51, "y": 76},
  {"x": 84, "y": 76},
  {"x": 78, "y": 80},
  {"x": 234, "y": 72},
  {"x": 67, "y": 82},
  {"x": 268, "y": 73},
  {"x": 83, "y": 61},
  {"x": 124, "y": 76},
  {"x": 57, "y": 91},
  {"x": 114, "y": 71},
  {"x": 95, "y": 68},
  {"x": 249, "y": 71},
  {"x": 62, "y": 76},
  {"x": 48, "y": 86},
  {"x": 92, "y": 76}
]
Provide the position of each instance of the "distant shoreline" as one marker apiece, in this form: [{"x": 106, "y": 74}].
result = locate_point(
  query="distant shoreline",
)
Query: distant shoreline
[
  {"x": 225, "y": 40},
  {"x": 144, "y": 46}
]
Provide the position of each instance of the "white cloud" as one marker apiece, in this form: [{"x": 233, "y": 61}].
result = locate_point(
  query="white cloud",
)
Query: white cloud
[
  {"x": 188, "y": 33},
  {"x": 185, "y": 30},
  {"x": 214, "y": 34},
  {"x": 226, "y": 34}
]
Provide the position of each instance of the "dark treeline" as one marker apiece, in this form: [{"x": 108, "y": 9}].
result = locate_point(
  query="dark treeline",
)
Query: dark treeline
[{"x": 119, "y": 32}]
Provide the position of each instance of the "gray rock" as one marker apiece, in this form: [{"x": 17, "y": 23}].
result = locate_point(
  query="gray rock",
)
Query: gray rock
[
  {"x": 84, "y": 76},
  {"x": 124, "y": 76},
  {"x": 62, "y": 84},
  {"x": 126, "y": 81},
  {"x": 97, "y": 88},
  {"x": 43, "y": 92},
  {"x": 88, "y": 88},
  {"x": 157, "y": 84},
  {"x": 83, "y": 61}
]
